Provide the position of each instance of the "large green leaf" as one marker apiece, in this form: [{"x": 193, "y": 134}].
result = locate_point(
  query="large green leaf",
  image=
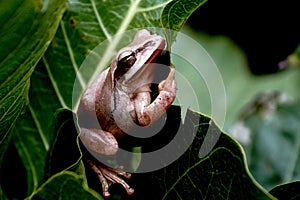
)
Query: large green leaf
[
  {"x": 27, "y": 27},
  {"x": 198, "y": 174},
  {"x": 218, "y": 174}
]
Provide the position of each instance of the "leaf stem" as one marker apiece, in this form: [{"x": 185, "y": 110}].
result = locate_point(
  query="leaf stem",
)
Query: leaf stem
[
  {"x": 39, "y": 128},
  {"x": 101, "y": 25},
  {"x": 153, "y": 7}
]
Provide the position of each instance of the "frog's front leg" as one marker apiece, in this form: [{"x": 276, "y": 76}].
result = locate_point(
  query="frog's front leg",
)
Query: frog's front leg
[
  {"x": 104, "y": 143},
  {"x": 149, "y": 112}
]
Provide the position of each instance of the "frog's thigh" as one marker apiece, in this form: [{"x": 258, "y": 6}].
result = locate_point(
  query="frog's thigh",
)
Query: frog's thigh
[{"x": 99, "y": 141}]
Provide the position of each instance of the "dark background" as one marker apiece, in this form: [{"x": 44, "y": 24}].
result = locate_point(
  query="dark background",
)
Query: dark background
[{"x": 267, "y": 31}]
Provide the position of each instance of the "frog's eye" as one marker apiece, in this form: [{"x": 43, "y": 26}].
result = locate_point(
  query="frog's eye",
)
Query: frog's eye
[{"x": 125, "y": 61}]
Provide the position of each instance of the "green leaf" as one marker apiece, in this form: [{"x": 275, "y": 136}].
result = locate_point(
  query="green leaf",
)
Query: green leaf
[
  {"x": 63, "y": 166},
  {"x": 287, "y": 191},
  {"x": 27, "y": 27},
  {"x": 175, "y": 15},
  {"x": 33, "y": 132},
  {"x": 66, "y": 185},
  {"x": 32, "y": 148},
  {"x": 64, "y": 153},
  {"x": 210, "y": 164},
  {"x": 220, "y": 174}
]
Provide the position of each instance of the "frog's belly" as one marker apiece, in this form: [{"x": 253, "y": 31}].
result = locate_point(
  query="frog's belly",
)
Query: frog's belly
[{"x": 123, "y": 116}]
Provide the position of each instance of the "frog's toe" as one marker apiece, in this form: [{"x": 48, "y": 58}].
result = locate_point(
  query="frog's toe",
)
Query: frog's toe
[{"x": 108, "y": 176}]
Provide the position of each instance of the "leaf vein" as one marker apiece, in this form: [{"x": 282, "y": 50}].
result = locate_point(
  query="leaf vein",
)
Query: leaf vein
[
  {"x": 153, "y": 7},
  {"x": 29, "y": 159},
  {"x": 56, "y": 89},
  {"x": 195, "y": 165},
  {"x": 72, "y": 57},
  {"x": 100, "y": 22},
  {"x": 39, "y": 128},
  {"x": 8, "y": 111}
]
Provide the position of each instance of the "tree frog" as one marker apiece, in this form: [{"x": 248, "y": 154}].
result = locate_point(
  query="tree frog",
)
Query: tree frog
[{"x": 120, "y": 98}]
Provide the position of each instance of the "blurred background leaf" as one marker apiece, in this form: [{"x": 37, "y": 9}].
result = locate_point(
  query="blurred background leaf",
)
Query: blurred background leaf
[{"x": 271, "y": 123}]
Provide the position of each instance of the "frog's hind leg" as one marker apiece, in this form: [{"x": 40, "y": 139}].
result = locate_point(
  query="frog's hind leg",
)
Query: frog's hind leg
[{"x": 108, "y": 176}]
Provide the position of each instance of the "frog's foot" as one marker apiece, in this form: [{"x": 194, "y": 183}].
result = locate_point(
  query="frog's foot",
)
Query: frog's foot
[{"x": 108, "y": 176}]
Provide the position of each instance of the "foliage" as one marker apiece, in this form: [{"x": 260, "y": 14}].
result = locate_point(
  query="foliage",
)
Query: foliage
[{"x": 37, "y": 123}]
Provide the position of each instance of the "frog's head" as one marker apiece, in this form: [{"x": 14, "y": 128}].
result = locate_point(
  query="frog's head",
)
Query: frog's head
[{"x": 134, "y": 64}]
